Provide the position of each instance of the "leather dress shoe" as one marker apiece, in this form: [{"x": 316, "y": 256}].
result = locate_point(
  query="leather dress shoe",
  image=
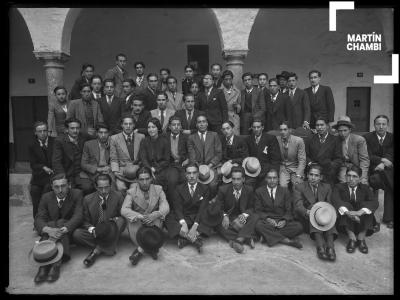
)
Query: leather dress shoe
[
  {"x": 154, "y": 255},
  {"x": 330, "y": 252},
  {"x": 236, "y": 246},
  {"x": 90, "y": 259},
  {"x": 351, "y": 246},
  {"x": 182, "y": 242},
  {"x": 251, "y": 243},
  {"x": 389, "y": 225},
  {"x": 135, "y": 257},
  {"x": 362, "y": 246},
  {"x": 198, "y": 244},
  {"x": 293, "y": 243},
  {"x": 41, "y": 275},
  {"x": 377, "y": 227},
  {"x": 54, "y": 272},
  {"x": 321, "y": 253}
]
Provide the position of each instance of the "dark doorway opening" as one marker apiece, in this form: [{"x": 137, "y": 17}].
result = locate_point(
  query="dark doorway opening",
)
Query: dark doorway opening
[
  {"x": 198, "y": 57},
  {"x": 358, "y": 107}
]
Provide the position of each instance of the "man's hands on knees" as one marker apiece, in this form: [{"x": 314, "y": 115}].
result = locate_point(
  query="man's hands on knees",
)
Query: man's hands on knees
[{"x": 225, "y": 222}]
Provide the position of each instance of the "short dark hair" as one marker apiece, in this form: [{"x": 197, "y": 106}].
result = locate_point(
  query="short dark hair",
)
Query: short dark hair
[
  {"x": 314, "y": 166},
  {"x": 120, "y": 54},
  {"x": 186, "y": 95},
  {"x": 354, "y": 168},
  {"x": 72, "y": 120},
  {"x": 201, "y": 115},
  {"x": 320, "y": 117},
  {"x": 127, "y": 115},
  {"x": 174, "y": 118},
  {"x": 102, "y": 125},
  {"x": 273, "y": 79},
  {"x": 257, "y": 119},
  {"x": 83, "y": 85},
  {"x": 144, "y": 170},
  {"x": 137, "y": 98},
  {"x": 228, "y": 122},
  {"x": 96, "y": 76},
  {"x": 272, "y": 170},
  {"x": 188, "y": 66},
  {"x": 226, "y": 73},
  {"x": 58, "y": 176},
  {"x": 139, "y": 63},
  {"x": 39, "y": 123},
  {"x": 108, "y": 80},
  {"x": 262, "y": 73},
  {"x": 192, "y": 164},
  {"x": 130, "y": 81},
  {"x": 381, "y": 116},
  {"x": 156, "y": 122},
  {"x": 161, "y": 93},
  {"x": 247, "y": 74},
  {"x": 85, "y": 66},
  {"x": 314, "y": 71},
  {"x": 284, "y": 122},
  {"x": 238, "y": 169},
  {"x": 292, "y": 74},
  {"x": 171, "y": 77},
  {"x": 195, "y": 82},
  {"x": 102, "y": 177},
  {"x": 166, "y": 70},
  {"x": 215, "y": 64},
  {"x": 59, "y": 87},
  {"x": 151, "y": 74}
]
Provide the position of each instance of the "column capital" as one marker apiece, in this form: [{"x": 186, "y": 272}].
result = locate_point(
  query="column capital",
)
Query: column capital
[
  {"x": 52, "y": 59},
  {"x": 234, "y": 54}
]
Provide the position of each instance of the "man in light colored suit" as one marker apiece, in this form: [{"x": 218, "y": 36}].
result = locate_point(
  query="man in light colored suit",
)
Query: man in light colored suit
[
  {"x": 205, "y": 149},
  {"x": 300, "y": 104},
  {"x": 124, "y": 151},
  {"x": 354, "y": 149},
  {"x": 293, "y": 157},
  {"x": 118, "y": 74},
  {"x": 175, "y": 100},
  {"x": 86, "y": 110},
  {"x": 162, "y": 112}
]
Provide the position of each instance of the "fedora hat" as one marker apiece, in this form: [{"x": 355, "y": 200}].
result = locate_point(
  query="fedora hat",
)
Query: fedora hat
[
  {"x": 251, "y": 166},
  {"x": 226, "y": 172},
  {"x": 206, "y": 175},
  {"x": 343, "y": 120},
  {"x": 150, "y": 238},
  {"x": 128, "y": 173},
  {"x": 106, "y": 232},
  {"x": 46, "y": 252},
  {"x": 322, "y": 216}
]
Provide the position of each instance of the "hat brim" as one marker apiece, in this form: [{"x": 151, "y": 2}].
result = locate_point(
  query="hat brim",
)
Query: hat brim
[
  {"x": 155, "y": 231},
  {"x": 248, "y": 173},
  {"x": 350, "y": 125},
  {"x": 312, "y": 213},
  {"x": 55, "y": 259},
  {"x": 120, "y": 177},
  {"x": 212, "y": 175},
  {"x": 226, "y": 180}
]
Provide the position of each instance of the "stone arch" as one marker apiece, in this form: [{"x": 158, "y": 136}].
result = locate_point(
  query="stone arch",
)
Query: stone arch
[{"x": 69, "y": 23}]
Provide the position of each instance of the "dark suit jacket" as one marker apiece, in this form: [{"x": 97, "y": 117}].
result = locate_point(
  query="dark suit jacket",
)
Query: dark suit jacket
[
  {"x": 376, "y": 151},
  {"x": 186, "y": 83},
  {"x": 301, "y": 110},
  {"x": 322, "y": 103},
  {"x": 213, "y": 148},
  {"x": 91, "y": 157},
  {"x": 76, "y": 88},
  {"x": 182, "y": 115},
  {"x": 112, "y": 114},
  {"x": 71, "y": 211},
  {"x": 364, "y": 197},
  {"x": 328, "y": 155},
  {"x": 257, "y": 102},
  {"x": 280, "y": 208},
  {"x": 127, "y": 106},
  {"x": 183, "y": 150},
  {"x": 275, "y": 113},
  {"x": 236, "y": 152},
  {"x": 91, "y": 208},
  {"x": 141, "y": 123},
  {"x": 303, "y": 196},
  {"x": 214, "y": 106},
  {"x": 63, "y": 154},
  {"x": 267, "y": 151},
  {"x": 38, "y": 159},
  {"x": 149, "y": 98},
  {"x": 227, "y": 201},
  {"x": 185, "y": 205},
  {"x": 155, "y": 153}
]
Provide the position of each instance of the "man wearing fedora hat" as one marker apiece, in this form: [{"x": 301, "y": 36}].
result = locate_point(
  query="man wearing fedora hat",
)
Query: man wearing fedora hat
[
  {"x": 124, "y": 153},
  {"x": 235, "y": 219},
  {"x": 101, "y": 207},
  {"x": 189, "y": 201},
  {"x": 283, "y": 82},
  {"x": 273, "y": 205},
  {"x": 308, "y": 197},
  {"x": 145, "y": 204},
  {"x": 59, "y": 214},
  {"x": 234, "y": 147},
  {"x": 354, "y": 150},
  {"x": 265, "y": 148}
]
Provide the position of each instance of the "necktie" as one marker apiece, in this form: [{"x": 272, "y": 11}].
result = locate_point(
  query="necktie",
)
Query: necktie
[
  {"x": 258, "y": 139},
  {"x": 174, "y": 136},
  {"x": 203, "y": 137},
  {"x": 189, "y": 117},
  {"x": 129, "y": 139},
  {"x": 315, "y": 192},
  {"x": 291, "y": 94},
  {"x": 162, "y": 118},
  {"x": 60, "y": 203},
  {"x": 271, "y": 195},
  {"x": 109, "y": 100},
  {"x": 101, "y": 211},
  {"x": 191, "y": 190},
  {"x": 203, "y": 141},
  {"x": 236, "y": 194},
  {"x": 353, "y": 197},
  {"x": 313, "y": 90},
  {"x": 381, "y": 141},
  {"x": 228, "y": 142},
  {"x": 321, "y": 139}
]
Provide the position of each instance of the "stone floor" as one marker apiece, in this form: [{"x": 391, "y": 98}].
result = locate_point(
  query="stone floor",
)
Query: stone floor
[{"x": 218, "y": 270}]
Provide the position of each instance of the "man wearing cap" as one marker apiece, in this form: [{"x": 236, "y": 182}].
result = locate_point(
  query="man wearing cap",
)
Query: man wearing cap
[
  {"x": 354, "y": 150},
  {"x": 283, "y": 82},
  {"x": 189, "y": 201},
  {"x": 124, "y": 152},
  {"x": 380, "y": 151},
  {"x": 100, "y": 207},
  {"x": 205, "y": 149},
  {"x": 234, "y": 147},
  {"x": 188, "y": 114},
  {"x": 145, "y": 204},
  {"x": 356, "y": 205},
  {"x": 305, "y": 196},
  {"x": 325, "y": 149},
  {"x": 265, "y": 148},
  {"x": 273, "y": 205},
  {"x": 300, "y": 104},
  {"x": 321, "y": 99},
  {"x": 277, "y": 107},
  {"x": 140, "y": 115},
  {"x": 162, "y": 112},
  {"x": 59, "y": 214}
]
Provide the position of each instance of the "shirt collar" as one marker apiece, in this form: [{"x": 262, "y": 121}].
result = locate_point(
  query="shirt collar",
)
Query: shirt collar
[
  {"x": 205, "y": 133},
  {"x": 172, "y": 135},
  {"x": 126, "y": 136},
  {"x": 194, "y": 186},
  {"x": 273, "y": 189},
  {"x": 315, "y": 88},
  {"x": 122, "y": 71},
  {"x": 230, "y": 140},
  {"x": 59, "y": 199},
  {"x": 104, "y": 198},
  {"x": 355, "y": 188},
  {"x": 324, "y": 136},
  {"x": 294, "y": 90},
  {"x": 44, "y": 143},
  {"x": 71, "y": 139},
  {"x": 379, "y": 137},
  {"x": 249, "y": 90}
]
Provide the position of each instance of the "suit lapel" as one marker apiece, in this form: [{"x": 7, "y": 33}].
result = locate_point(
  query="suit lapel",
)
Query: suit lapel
[
  {"x": 66, "y": 205},
  {"x": 278, "y": 196},
  {"x": 153, "y": 199},
  {"x": 198, "y": 142},
  {"x": 122, "y": 144},
  {"x": 310, "y": 195},
  {"x": 136, "y": 145}
]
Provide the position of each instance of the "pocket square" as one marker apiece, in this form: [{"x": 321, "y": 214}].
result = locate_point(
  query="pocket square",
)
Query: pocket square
[{"x": 265, "y": 150}]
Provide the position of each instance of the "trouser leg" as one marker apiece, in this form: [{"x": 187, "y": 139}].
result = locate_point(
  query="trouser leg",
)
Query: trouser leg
[{"x": 36, "y": 193}]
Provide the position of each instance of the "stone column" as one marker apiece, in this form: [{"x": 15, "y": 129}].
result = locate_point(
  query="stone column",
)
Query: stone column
[{"x": 234, "y": 62}]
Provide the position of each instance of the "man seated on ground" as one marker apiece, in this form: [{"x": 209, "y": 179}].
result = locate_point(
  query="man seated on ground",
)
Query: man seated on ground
[
  {"x": 145, "y": 204},
  {"x": 233, "y": 212},
  {"x": 273, "y": 205},
  {"x": 140, "y": 115},
  {"x": 190, "y": 200},
  {"x": 59, "y": 214},
  {"x": 101, "y": 213},
  {"x": 305, "y": 195},
  {"x": 356, "y": 205}
]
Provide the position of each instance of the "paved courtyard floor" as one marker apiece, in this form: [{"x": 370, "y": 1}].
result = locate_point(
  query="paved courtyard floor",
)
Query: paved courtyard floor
[{"x": 218, "y": 270}]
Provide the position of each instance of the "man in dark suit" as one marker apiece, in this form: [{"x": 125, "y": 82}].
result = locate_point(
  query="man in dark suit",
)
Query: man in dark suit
[
  {"x": 103, "y": 205},
  {"x": 216, "y": 72},
  {"x": 212, "y": 101},
  {"x": 140, "y": 115},
  {"x": 150, "y": 92},
  {"x": 187, "y": 81},
  {"x": 86, "y": 76},
  {"x": 234, "y": 147},
  {"x": 128, "y": 86},
  {"x": 111, "y": 107},
  {"x": 177, "y": 142},
  {"x": 40, "y": 153},
  {"x": 67, "y": 155},
  {"x": 59, "y": 214},
  {"x": 321, "y": 99},
  {"x": 118, "y": 73},
  {"x": 96, "y": 83},
  {"x": 265, "y": 147},
  {"x": 252, "y": 103},
  {"x": 273, "y": 204},
  {"x": 234, "y": 210},
  {"x": 189, "y": 201},
  {"x": 189, "y": 114},
  {"x": 380, "y": 152},
  {"x": 300, "y": 104},
  {"x": 325, "y": 149},
  {"x": 277, "y": 107}
]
